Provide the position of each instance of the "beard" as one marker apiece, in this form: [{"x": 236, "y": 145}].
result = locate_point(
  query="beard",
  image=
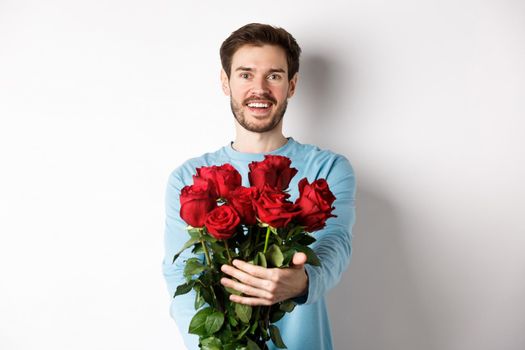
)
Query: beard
[{"x": 273, "y": 121}]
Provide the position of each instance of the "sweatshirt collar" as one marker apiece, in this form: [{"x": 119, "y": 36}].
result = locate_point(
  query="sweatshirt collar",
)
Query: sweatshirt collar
[{"x": 284, "y": 150}]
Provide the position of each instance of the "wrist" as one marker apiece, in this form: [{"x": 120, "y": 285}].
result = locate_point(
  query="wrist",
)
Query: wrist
[{"x": 304, "y": 290}]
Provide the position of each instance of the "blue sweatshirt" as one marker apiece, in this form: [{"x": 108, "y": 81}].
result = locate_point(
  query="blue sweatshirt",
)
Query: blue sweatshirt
[{"x": 308, "y": 326}]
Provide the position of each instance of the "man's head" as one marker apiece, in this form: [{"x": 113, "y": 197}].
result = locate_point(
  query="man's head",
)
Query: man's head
[
  {"x": 257, "y": 34},
  {"x": 260, "y": 65}
]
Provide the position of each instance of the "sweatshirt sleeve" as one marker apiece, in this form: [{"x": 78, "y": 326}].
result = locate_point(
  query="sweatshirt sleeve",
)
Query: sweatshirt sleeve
[
  {"x": 175, "y": 235},
  {"x": 334, "y": 242}
]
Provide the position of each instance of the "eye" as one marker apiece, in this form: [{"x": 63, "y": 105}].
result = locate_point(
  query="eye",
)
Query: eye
[
  {"x": 274, "y": 77},
  {"x": 244, "y": 75}
]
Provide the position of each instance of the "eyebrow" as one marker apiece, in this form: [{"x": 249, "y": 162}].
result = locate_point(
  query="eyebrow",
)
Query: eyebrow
[{"x": 248, "y": 69}]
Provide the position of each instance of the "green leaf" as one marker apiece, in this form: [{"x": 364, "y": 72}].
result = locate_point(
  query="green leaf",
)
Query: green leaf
[
  {"x": 220, "y": 258},
  {"x": 197, "y": 249},
  {"x": 186, "y": 245},
  {"x": 287, "y": 305},
  {"x": 298, "y": 229},
  {"x": 198, "y": 322},
  {"x": 251, "y": 345},
  {"x": 226, "y": 335},
  {"x": 232, "y": 346},
  {"x": 193, "y": 267},
  {"x": 207, "y": 294},
  {"x": 275, "y": 334},
  {"x": 195, "y": 233},
  {"x": 311, "y": 257},
  {"x": 211, "y": 347},
  {"x": 305, "y": 239},
  {"x": 275, "y": 256},
  {"x": 262, "y": 260},
  {"x": 209, "y": 238},
  {"x": 243, "y": 312},
  {"x": 276, "y": 315},
  {"x": 218, "y": 247},
  {"x": 214, "y": 322},
  {"x": 184, "y": 288},
  {"x": 287, "y": 257},
  {"x": 211, "y": 343},
  {"x": 232, "y": 291},
  {"x": 245, "y": 247}
]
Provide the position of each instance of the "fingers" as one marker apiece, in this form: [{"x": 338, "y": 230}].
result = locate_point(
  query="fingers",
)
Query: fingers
[
  {"x": 254, "y": 270},
  {"x": 246, "y": 289},
  {"x": 250, "y": 301},
  {"x": 256, "y": 291},
  {"x": 299, "y": 259},
  {"x": 247, "y": 277},
  {"x": 265, "y": 286}
]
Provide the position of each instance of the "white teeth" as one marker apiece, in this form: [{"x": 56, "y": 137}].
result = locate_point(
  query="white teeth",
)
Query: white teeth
[{"x": 258, "y": 105}]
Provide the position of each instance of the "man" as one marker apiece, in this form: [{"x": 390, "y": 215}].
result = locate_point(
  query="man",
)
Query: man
[{"x": 260, "y": 66}]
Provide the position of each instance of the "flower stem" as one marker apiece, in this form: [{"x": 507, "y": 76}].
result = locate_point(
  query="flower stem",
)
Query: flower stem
[
  {"x": 228, "y": 252},
  {"x": 267, "y": 238},
  {"x": 205, "y": 248}
]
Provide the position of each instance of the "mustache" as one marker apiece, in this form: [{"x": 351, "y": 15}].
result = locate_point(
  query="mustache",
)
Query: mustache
[{"x": 264, "y": 96}]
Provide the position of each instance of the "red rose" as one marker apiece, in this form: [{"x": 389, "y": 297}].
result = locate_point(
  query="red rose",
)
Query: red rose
[
  {"x": 274, "y": 171},
  {"x": 222, "y": 179},
  {"x": 273, "y": 208},
  {"x": 222, "y": 221},
  {"x": 241, "y": 199},
  {"x": 195, "y": 203},
  {"x": 315, "y": 201}
]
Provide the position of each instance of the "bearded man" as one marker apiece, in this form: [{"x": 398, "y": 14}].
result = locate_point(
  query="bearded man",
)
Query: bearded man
[{"x": 260, "y": 65}]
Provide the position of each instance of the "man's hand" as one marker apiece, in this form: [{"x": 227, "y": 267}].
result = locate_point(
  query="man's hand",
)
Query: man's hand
[{"x": 266, "y": 286}]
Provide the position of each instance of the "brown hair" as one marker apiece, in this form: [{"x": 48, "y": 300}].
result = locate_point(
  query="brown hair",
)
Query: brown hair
[{"x": 258, "y": 34}]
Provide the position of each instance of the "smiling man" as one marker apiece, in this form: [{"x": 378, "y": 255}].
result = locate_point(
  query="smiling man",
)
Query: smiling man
[
  {"x": 258, "y": 86},
  {"x": 260, "y": 69}
]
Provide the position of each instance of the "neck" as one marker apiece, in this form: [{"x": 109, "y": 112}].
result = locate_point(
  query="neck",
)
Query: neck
[{"x": 253, "y": 142}]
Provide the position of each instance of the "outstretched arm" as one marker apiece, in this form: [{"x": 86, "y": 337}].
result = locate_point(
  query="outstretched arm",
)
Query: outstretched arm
[{"x": 175, "y": 235}]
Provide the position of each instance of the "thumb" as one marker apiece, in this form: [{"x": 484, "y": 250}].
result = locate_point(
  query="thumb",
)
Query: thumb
[{"x": 299, "y": 259}]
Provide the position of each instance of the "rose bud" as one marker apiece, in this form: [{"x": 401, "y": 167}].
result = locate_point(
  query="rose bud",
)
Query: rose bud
[
  {"x": 273, "y": 208},
  {"x": 241, "y": 199},
  {"x": 315, "y": 201},
  {"x": 273, "y": 171},
  {"x": 222, "y": 222},
  {"x": 195, "y": 203},
  {"x": 222, "y": 179}
]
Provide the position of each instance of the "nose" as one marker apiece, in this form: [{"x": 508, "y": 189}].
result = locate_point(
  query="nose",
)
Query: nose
[{"x": 260, "y": 85}]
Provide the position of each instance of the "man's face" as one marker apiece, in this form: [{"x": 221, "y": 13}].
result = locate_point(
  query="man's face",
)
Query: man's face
[{"x": 258, "y": 86}]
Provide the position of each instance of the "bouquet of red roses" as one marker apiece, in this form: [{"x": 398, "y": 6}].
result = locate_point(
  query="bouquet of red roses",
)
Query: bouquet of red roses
[{"x": 257, "y": 224}]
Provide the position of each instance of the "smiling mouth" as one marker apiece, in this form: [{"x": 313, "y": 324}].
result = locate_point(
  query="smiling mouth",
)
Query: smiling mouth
[
  {"x": 259, "y": 108},
  {"x": 258, "y": 104}
]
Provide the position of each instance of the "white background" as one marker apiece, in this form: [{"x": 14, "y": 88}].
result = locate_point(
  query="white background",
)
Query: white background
[{"x": 100, "y": 100}]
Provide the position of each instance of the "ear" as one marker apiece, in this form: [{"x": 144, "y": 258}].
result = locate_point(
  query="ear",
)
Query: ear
[
  {"x": 292, "y": 85},
  {"x": 225, "y": 83}
]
